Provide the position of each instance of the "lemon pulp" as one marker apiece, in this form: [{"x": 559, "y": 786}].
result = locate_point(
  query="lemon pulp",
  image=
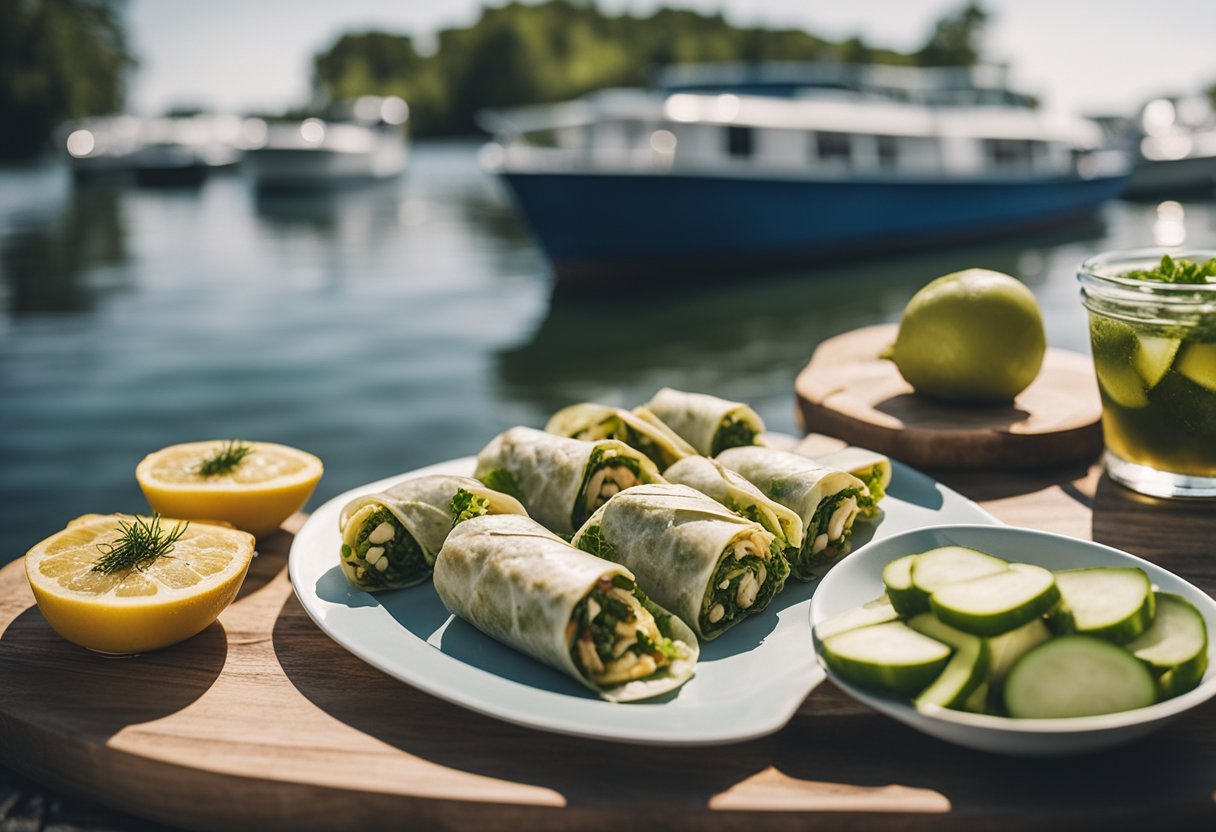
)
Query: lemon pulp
[
  {"x": 135, "y": 610},
  {"x": 262, "y": 491}
]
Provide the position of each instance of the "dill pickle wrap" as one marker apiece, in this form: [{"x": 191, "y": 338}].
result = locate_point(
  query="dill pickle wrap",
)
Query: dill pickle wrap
[
  {"x": 732, "y": 490},
  {"x": 559, "y": 480},
  {"x": 694, "y": 556},
  {"x": 708, "y": 423},
  {"x": 519, "y": 583},
  {"x": 826, "y": 499},
  {"x": 600, "y": 421},
  {"x": 404, "y": 527},
  {"x": 871, "y": 467}
]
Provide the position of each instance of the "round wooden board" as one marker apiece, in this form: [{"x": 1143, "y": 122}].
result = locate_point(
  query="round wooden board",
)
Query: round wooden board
[
  {"x": 848, "y": 391},
  {"x": 261, "y": 722}
]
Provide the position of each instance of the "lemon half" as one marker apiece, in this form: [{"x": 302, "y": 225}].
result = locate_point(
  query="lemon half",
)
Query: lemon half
[
  {"x": 134, "y": 610},
  {"x": 262, "y": 491}
]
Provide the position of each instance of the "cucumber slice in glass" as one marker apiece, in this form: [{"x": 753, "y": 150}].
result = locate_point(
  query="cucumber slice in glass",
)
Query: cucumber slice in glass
[
  {"x": 951, "y": 564},
  {"x": 1077, "y": 676},
  {"x": 1198, "y": 363},
  {"x": 965, "y": 671},
  {"x": 878, "y": 611},
  {"x": 888, "y": 657},
  {"x": 1175, "y": 647},
  {"x": 897, "y": 578},
  {"x": 1116, "y": 603},
  {"x": 1153, "y": 357},
  {"x": 996, "y": 604},
  {"x": 1114, "y": 349}
]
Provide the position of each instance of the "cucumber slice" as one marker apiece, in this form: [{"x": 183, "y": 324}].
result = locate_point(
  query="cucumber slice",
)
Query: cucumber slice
[
  {"x": 888, "y": 657},
  {"x": 1077, "y": 676},
  {"x": 977, "y": 702},
  {"x": 1175, "y": 648},
  {"x": 1008, "y": 647},
  {"x": 1114, "y": 349},
  {"x": 996, "y": 604},
  {"x": 1116, "y": 604},
  {"x": 1153, "y": 357},
  {"x": 951, "y": 564},
  {"x": 965, "y": 671},
  {"x": 878, "y": 611},
  {"x": 1198, "y": 363},
  {"x": 897, "y": 578}
]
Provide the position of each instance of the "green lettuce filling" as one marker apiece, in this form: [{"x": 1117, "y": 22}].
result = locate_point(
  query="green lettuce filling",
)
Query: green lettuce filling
[
  {"x": 752, "y": 512},
  {"x": 806, "y": 562},
  {"x": 873, "y": 480},
  {"x": 602, "y": 628},
  {"x": 593, "y": 542},
  {"x": 732, "y": 433},
  {"x": 601, "y": 458},
  {"x": 502, "y": 481},
  {"x": 613, "y": 427},
  {"x": 730, "y": 574},
  {"x": 466, "y": 505},
  {"x": 406, "y": 564}
]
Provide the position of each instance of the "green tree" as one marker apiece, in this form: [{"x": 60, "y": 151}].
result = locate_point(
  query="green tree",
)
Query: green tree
[
  {"x": 956, "y": 39},
  {"x": 59, "y": 59}
]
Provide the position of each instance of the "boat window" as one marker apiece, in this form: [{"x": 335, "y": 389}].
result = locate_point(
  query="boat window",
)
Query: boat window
[
  {"x": 888, "y": 151},
  {"x": 1010, "y": 151},
  {"x": 834, "y": 146},
  {"x": 739, "y": 141}
]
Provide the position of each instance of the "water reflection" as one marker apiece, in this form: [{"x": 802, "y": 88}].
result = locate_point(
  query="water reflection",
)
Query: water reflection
[{"x": 63, "y": 263}]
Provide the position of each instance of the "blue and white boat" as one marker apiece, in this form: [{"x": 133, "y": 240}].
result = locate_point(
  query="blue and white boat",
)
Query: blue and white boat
[{"x": 725, "y": 167}]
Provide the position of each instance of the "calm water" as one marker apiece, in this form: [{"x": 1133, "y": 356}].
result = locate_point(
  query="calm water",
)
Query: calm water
[{"x": 387, "y": 328}]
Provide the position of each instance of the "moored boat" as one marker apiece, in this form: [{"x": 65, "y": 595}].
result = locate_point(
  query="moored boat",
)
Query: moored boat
[{"x": 723, "y": 168}]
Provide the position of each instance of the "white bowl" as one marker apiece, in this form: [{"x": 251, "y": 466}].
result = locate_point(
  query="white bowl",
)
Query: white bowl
[{"x": 858, "y": 579}]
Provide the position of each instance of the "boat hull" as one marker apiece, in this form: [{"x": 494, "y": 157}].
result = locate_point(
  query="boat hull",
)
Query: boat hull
[{"x": 593, "y": 224}]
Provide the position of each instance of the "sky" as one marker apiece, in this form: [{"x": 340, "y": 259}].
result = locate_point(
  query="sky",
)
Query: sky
[{"x": 1091, "y": 56}]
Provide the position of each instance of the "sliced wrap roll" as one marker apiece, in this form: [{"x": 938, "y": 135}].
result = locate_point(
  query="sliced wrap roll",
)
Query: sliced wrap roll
[
  {"x": 561, "y": 481},
  {"x": 732, "y": 490},
  {"x": 709, "y": 424},
  {"x": 871, "y": 467},
  {"x": 694, "y": 556},
  {"x": 390, "y": 538},
  {"x": 826, "y": 499},
  {"x": 599, "y": 421},
  {"x": 519, "y": 583}
]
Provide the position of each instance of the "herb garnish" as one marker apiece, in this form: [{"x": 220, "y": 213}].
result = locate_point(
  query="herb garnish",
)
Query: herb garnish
[
  {"x": 225, "y": 459},
  {"x": 1176, "y": 271},
  {"x": 466, "y": 505},
  {"x": 140, "y": 544}
]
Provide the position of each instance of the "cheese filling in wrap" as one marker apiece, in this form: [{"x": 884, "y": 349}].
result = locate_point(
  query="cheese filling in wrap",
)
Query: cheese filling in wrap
[
  {"x": 694, "y": 556},
  {"x": 561, "y": 481},
  {"x": 871, "y": 467},
  {"x": 390, "y": 538},
  {"x": 709, "y": 424},
  {"x": 730, "y": 489},
  {"x": 826, "y": 499},
  {"x": 519, "y": 583},
  {"x": 598, "y": 421}
]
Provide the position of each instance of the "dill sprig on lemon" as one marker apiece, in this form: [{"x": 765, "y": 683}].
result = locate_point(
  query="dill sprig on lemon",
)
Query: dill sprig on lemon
[{"x": 255, "y": 486}]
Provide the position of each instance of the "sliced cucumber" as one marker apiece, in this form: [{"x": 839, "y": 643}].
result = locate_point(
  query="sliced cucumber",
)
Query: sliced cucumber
[
  {"x": 1113, "y": 603},
  {"x": 951, "y": 564},
  {"x": 977, "y": 702},
  {"x": 1008, "y": 647},
  {"x": 897, "y": 578},
  {"x": 888, "y": 657},
  {"x": 998, "y": 603},
  {"x": 1175, "y": 648},
  {"x": 1077, "y": 676},
  {"x": 878, "y": 611},
  {"x": 964, "y": 672},
  {"x": 1153, "y": 357},
  {"x": 1198, "y": 363}
]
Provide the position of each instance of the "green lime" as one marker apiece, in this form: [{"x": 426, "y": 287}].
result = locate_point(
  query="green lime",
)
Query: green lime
[{"x": 975, "y": 336}]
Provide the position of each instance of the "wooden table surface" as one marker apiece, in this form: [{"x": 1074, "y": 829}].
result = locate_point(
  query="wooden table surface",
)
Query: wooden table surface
[{"x": 262, "y": 722}]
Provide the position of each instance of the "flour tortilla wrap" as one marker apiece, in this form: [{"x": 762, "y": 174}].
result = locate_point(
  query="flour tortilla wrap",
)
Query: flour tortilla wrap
[
  {"x": 519, "y": 583},
  {"x": 708, "y": 423},
  {"x": 599, "y": 421},
  {"x": 871, "y": 467},
  {"x": 732, "y": 490},
  {"x": 683, "y": 547},
  {"x": 826, "y": 499},
  {"x": 419, "y": 513},
  {"x": 560, "y": 481}
]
